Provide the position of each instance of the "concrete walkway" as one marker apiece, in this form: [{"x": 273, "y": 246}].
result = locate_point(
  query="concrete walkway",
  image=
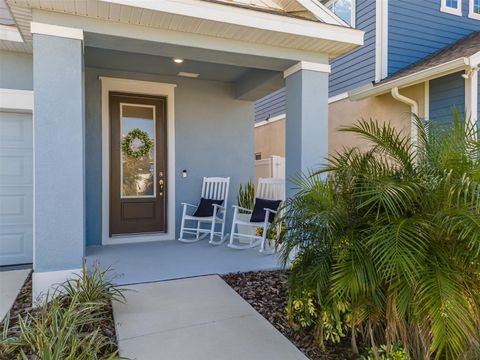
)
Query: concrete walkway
[
  {"x": 198, "y": 318},
  {"x": 10, "y": 284}
]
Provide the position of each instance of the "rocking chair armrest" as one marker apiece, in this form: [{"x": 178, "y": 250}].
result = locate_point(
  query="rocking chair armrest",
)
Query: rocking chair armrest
[
  {"x": 191, "y": 205},
  {"x": 242, "y": 208},
  {"x": 267, "y": 210},
  {"x": 220, "y": 208}
]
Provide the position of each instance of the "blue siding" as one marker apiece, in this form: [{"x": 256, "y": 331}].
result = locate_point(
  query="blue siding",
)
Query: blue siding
[
  {"x": 270, "y": 106},
  {"x": 357, "y": 67},
  {"x": 348, "y": 72},
  {"x": 445, "y": 93},
  {"x": 417, "y": 29}
]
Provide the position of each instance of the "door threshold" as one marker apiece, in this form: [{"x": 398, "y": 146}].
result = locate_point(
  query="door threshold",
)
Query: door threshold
[
  {"x": 114, "y": 236},
  {"x": 137, "y": 238}
]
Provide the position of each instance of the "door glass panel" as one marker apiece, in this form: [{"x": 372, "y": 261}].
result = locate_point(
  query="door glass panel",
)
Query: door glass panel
[{"x": 137, "y": 174}]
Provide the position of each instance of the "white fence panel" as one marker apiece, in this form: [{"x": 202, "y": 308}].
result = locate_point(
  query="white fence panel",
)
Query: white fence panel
[{"x": 272, "y": 167}]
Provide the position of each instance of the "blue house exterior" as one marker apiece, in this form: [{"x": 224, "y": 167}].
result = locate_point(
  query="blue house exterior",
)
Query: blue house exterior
[
  {"x": 75, "y": 79},
  {"x": 401, "y": 39}
]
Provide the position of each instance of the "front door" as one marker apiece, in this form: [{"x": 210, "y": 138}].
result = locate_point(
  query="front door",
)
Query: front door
[{"x": 138, "y": 164}]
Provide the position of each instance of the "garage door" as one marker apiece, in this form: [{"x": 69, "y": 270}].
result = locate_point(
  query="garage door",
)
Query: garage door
[{"x": 16, "y": 188}]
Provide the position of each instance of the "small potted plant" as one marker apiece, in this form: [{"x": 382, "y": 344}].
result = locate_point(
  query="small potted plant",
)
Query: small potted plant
[{"x": 246, "y": 199}]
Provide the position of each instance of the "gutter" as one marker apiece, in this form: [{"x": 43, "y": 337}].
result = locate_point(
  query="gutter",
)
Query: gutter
[
  {"x": 413, "y": 79},
  {"x": 413, "y": 110}
]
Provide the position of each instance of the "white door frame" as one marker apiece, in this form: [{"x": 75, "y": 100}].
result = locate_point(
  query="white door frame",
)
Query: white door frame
[{"x": 146, "y": 88}]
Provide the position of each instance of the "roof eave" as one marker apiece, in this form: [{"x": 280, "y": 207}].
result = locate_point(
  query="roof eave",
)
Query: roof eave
[
  {"x": 10, "y": 33},
  {"x": 412, "y": 79},
  {"x": 251, "y": 18}
]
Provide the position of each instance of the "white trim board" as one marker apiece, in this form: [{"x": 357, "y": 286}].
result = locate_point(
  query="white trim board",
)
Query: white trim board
[
  {"x": 306, "y": 65},
  {"x": 471, "y": 95},
  {"x": 338, "y": 97},
  {"x": 449, "y": 10},
  {"x": 331, "y": 100},
  {"x": 381, "y": 40},
  {"x": 271, "y": 120},
  {"x": 16, "y": 100},
  {"x": 45, "y": 282},
  {"x": 137, "y": 87},
  {"x": 323, "y": 13},
  {"x": 472, "y": 14},
  {"x": 10, "y": 33},
  {"x": 56, "y": 30}
]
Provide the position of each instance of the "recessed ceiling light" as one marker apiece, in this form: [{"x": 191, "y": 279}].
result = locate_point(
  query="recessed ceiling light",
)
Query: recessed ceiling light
[
  {"x": 188, "y": 74},
  {"x": 177, "y": 60}
]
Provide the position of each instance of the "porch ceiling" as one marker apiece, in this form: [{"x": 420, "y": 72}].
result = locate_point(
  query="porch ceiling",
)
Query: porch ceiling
[
  {"x": 132, "y": 62},
  {"x": 254, "y": 76}
]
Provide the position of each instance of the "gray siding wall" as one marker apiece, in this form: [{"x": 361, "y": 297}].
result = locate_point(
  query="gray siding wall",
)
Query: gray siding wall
[
  {"x": 416, "y": 29},
  {"x": 445, "y": 93},
  {"x": 213, "y": 137},
  {"x": 16, "y": 70},
  {"x": 271, "y": 105},
  {"x": 357, "y": 67}
]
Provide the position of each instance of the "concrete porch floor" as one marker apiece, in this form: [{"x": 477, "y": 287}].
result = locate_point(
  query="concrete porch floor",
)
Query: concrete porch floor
[{"x": 166, "y": 260}]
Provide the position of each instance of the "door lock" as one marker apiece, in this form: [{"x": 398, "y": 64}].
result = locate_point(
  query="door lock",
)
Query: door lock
[{"x": 161, "y": 183}]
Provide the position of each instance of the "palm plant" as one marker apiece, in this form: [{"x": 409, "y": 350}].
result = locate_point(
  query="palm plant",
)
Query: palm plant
[{"x": 394, "y": 233}]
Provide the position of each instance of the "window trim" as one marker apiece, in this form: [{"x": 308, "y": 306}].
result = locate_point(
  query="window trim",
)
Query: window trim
[
  {"x": 353, "y": 17},
  {"x": 449, "y": 10},
  {"x": 471, "y": 13}
]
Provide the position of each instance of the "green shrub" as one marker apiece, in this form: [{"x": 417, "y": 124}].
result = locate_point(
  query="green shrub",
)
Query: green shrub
[
  {"x": 393, "y": 233},
  {"x": 59, "y": 331},
  {"x": 67, "y": 325},
  {"x": 246, "y": 196},
  {"x": 92, "y": 286},
  {"x": 385, "y": 352}
]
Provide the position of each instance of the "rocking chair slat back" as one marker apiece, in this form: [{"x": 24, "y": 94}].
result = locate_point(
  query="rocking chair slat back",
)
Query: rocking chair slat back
[
  {"x": 271, "y": 189},
  {"x": 215, "y": 188}
]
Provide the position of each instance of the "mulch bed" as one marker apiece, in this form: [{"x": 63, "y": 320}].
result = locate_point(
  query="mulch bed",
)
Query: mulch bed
[
  {"x": 23, "y": 305},
  {"x": 266, "y": 292}
]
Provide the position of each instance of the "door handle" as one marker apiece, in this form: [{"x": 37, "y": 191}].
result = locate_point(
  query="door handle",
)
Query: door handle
[{"x": 161, "y": 187}]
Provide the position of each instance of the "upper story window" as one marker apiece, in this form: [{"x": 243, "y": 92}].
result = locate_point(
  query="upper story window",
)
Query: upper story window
[
  {"x": 452, "y": 7},
  {"x": 344, "y": 9},
  {"x": 474, "y": 9}
]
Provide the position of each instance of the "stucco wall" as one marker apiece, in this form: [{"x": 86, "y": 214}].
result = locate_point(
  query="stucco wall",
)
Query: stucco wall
[
  {"x": 16, "y": 70},
  {"x": 213, "y": 137},
  {"x": 382, "y": 108},
  {"x": 270, "y": 139},
  {"x": 59, "y": 212}
]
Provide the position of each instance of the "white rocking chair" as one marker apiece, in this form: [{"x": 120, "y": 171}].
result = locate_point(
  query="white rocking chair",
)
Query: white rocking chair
[
  {"x": 215, "y": 188},
  {"x": 268, "y": 189}
]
